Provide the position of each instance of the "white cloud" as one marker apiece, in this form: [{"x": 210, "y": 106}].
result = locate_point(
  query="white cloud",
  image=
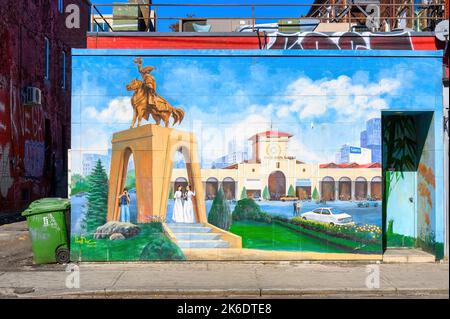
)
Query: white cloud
[
  {"x": 119, "y": 110},
  {"x": 301, "y": 152},
  {"x": 95, "y": 139},
  {"x": 344, "y": 96}
]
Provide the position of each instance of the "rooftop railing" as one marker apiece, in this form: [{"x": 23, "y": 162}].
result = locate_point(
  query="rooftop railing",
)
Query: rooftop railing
[{"x": 368, "y": 15}]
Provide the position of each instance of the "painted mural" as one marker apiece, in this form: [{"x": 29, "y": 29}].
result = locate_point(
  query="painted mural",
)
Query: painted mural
[{"x": 220, "y": 154}]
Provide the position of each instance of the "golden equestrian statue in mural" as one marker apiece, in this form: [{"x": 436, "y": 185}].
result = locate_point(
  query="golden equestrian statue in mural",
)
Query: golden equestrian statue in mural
[{"x": 146, "y": 101}]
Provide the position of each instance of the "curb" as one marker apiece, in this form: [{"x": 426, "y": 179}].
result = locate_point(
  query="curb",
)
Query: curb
[{"x": 249, "y": 293}]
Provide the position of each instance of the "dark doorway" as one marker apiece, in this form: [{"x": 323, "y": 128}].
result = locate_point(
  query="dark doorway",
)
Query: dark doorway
[
  {"x": 327, "y": 186},
  {"x": 361, "y": 188},
  {"x": 180, "y": 181},
  {"x": 277, "y": 185},
  {"x": 408, "y": 179},
  {"x": 212, "y": 185},
  {"x": 303, "y": 192},
  {"x": 345, "y": 189},
  {"x": 375, "y": 188},
  {"x": 229, "y": 188}
]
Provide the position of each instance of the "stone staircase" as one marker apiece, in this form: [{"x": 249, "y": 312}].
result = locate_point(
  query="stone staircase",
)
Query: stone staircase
[{"x": 196, "y": 236}]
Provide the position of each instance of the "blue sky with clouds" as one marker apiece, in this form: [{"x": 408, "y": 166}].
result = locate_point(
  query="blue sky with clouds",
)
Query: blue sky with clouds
[{"x": 323, "y": 101}]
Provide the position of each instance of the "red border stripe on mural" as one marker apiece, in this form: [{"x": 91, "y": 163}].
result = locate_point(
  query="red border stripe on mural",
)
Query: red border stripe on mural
[
  {"x": 142, "y": 42},
  {"x": 220, "y": 42}
]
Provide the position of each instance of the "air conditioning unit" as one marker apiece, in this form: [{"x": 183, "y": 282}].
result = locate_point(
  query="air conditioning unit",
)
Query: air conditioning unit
[{"x": 31, "y": 96}]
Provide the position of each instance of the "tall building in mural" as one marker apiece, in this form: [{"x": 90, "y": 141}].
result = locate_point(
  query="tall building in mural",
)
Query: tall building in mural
[
  {"x": 354, "y": 154},
  {"x": 90, "y": 161},
  {"x": 371, "y": 139}
]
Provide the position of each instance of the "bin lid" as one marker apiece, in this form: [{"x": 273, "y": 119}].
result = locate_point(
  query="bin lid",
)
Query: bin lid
[{"x": 45, "y": 205}]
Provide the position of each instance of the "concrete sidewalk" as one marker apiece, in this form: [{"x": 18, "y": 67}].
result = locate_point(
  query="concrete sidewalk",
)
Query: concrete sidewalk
[
  {"x": 19, "y": 278},
  {"x": 228, "y": 279}
]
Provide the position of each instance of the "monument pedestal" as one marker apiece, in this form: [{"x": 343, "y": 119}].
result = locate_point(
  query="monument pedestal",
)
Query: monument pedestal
[{"x": 153, "y": 149}]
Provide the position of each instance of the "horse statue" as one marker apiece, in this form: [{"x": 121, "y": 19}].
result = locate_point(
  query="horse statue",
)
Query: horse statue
[
  {"x": 146, "y": 101},
  {"x": 162, "y": 110}
]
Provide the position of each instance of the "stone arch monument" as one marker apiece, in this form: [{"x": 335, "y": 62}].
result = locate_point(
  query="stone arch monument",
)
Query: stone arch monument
[{"x": 153, "y": 149}]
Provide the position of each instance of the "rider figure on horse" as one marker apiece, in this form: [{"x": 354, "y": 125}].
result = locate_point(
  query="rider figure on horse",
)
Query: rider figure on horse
[{"x": 149, "y": 81}]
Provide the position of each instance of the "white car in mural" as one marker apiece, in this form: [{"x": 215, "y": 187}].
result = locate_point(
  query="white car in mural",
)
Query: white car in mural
[{"x": 328, "y": 215}]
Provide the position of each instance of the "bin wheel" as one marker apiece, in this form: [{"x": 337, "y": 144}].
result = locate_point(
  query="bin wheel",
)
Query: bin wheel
[{"x": 62, "y": 255}]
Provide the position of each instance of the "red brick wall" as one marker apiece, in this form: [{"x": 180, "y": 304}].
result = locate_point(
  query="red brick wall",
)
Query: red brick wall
[{"x": 33, "y": 153}]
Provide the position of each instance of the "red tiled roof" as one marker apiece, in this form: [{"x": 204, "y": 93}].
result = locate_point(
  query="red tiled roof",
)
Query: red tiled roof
[
  {"x": 272, "y": 134},
  {"x": 350, "y": 165}
]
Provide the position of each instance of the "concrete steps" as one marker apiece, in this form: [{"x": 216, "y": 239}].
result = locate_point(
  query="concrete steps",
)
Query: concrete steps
[{"x": 196, "y": 236}]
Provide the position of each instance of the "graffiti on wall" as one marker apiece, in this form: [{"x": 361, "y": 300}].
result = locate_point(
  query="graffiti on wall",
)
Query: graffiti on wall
[
  {"x": 339, "y": 41},
  {"x": 34, "y": 158},
  {"x": 6, "y": 180}
]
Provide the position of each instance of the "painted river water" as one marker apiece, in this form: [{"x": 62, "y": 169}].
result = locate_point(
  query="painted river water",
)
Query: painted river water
[{"x": 367, "y": 215}]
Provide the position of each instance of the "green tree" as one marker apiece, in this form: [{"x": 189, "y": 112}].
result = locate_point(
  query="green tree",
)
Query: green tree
[
  {"x": 291, "y": 191},
  {"x": 315, "y": 194},
  {"x": 248, "y": 209},
  {"x": 265, "y": 193},
  {"x": 130, "y": 181},
  {"x": 171, "y": 194},
  {"x": 243, "y": 193},
  {"x": 97, "y": 198},
  {"x": 220, "y": 214},
  {"x": 78, "y": 184}
]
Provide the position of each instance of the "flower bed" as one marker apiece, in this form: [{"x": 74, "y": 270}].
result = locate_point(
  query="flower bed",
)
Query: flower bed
[{"x": 367, "y": 237}]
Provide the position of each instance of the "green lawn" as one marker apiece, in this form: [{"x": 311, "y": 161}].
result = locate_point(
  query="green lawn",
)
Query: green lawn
[
  {"x": 271, "y": 236},
  {"x": 159, "y": 247},
  {"x": 397, "y": 240}
]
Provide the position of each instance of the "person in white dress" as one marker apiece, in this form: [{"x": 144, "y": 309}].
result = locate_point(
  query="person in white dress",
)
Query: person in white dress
[
  {"x": 189, "y": 216},
  {"x": 178, "y": 212}
]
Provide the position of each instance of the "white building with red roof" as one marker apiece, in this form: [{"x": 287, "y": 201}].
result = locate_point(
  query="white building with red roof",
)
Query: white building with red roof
[{"x": 271, "y": 172}]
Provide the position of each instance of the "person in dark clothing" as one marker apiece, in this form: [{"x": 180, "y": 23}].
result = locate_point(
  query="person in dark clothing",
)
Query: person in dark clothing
[{"x": 124, "y": 202}]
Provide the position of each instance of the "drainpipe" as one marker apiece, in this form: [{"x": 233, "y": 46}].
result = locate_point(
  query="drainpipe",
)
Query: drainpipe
[{"x": 446, "y": 164}]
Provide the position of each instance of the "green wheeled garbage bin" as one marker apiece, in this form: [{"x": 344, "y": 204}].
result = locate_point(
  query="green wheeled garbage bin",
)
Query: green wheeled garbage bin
[{"x": 49, "y": 223}]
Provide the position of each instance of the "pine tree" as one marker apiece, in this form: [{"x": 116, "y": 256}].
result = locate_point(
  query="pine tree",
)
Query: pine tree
[
  {"x": 244, "y": 193},
  {"x": 291, "y": 191},
  {"x": 265, "y": 193},
  {"x": 97, "y": 198},
  {"x": 315, "y": 194},
  {"x": 220, "y": 213}
]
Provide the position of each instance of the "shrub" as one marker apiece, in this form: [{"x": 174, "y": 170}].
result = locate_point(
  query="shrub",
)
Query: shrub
[
  {"x": 265, "y": 193},
  {"x": 161, "y": 248},
  {"x": 291, "y": 191},
  {"x": 390, "y": 229},
  {"x": 219, "y": 214},
  {"x": 248, "y": 209},
  {"x": 244, "y": 193},
  {"x": 315, "y": 194}
]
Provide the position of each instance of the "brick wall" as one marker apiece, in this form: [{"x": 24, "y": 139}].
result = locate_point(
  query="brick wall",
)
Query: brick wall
[{"x": 34, "y": 138}]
